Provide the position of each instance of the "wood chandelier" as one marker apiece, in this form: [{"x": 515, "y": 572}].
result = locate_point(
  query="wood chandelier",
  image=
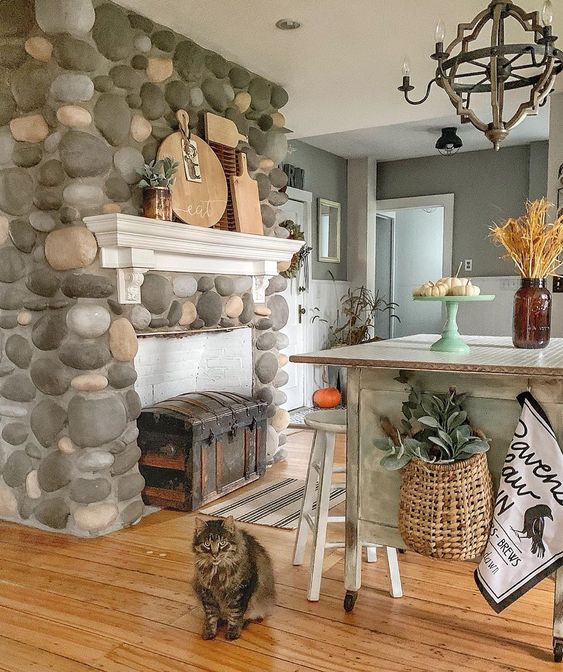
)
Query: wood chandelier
[{"x": 464, "y": 68}]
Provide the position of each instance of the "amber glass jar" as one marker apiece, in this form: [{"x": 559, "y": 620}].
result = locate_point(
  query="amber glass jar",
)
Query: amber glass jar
[
  {"x": 531, "y": 327},
  {"x": 157, "y": 203}
]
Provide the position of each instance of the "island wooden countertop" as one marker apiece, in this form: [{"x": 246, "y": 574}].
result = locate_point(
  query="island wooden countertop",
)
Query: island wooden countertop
[{"x": 488, "y": 354}]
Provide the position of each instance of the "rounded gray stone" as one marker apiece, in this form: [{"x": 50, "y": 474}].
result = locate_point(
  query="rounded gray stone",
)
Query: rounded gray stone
[
  {"x": 126, "y": 77},
  {"x": 22, "y": 235},
  {"x": 53, "y": 513},
  {"x": 50, "y": 377},
  {"x": 265, "y": 394},
  {"x": 266, "y": 341},
  {"x": 33, "y": 451},
  {"x": 276, "y": 285},
  {"x": 197, "y": 324},
  {"x": 227, "y": 323},
  {"x": 165, "y": 40},
  {"x": 17, "y": 467},
  {"x": 156, "y": 293},
  {"x": 140, "y": 317},
  {"x": 44, "y": 282},
  {"x": 117, "y": 188},
  {"x": 87, "y": 286},
  {"x": 18, "y": 351},
  {"x": 282, "y": 341},
  {"x": 161, "y": 131},
  {"x": 12, "y": 265},
  {"x": 30, "y": 85},
  {"x": 126, "y": 460},
  {"x": 275, "y": 145},
  {"x": 93, "y": 422},
  {"x": 72, "y": 88},
  {"x": 281, "y": 379},
  {"x": 42, "y": 221},
  {"x": 158, "y": 322},
  {"x": 129, "y": 486},
  {"x": 69, "y": 214},
  {"x": 16, "y": 18},
  {"x": 112, "y": 32},
  {"x": 27, "y": 155},
  {"x": 73, "y": 54},
  {"x": 139, "y": 61},
  {"x": 7, "y": 107},
  {"x": 264, "y": 185},
  {"x": 80, "y": 195},
  {"x": 174, "y": 314},
  {"x": 134, "y": 101},
  {"x": 219, "y": 93},
  {"x": 140, "y": 22},
  {"x": 263, "y": 323},
  {"x": 132, "y": 512},
  {"x": 239, "y": 119},
  {"x": 177, "y": 94},
  {"x": 8, "y": 322},
  {"x": 252, "y": 157},
  {"x": 278, "y": 178},
  {"x": 103, "y": 83},
  {"x": 260, "y": 91},
  {"x": 247, "y": 314},
  {"x": 89, "y": 490},
  {"x": 271, "y": 411},
  {"x": 280, "y": 397},
  {"x": 15, "y": 433},
  {"x": 279, "y": 96},
  {"x": 51, "y": 173},
  {"x": 48, "y": 198},
  {"x": 205, "y": 283},
  {"x": 121, "y": 375},
  {"x": 224, "y": 285},
  {"x": 54, "y": 471},
  {"x": 149, "y": 150},
  {"x": 268, "y": 215},
  {"x": 65, "y": 16},
  {"x": 266, "y": 367},
  {"x": 280, "y": 312},
  {"x": 128, "y": 162},
  {"x": 47, "y": 420},
  {"x": 115, "y": 307},
  {"x": 278, "y": 198},
  {"x": 95, "y": 460},
  {"x": 242, "y": 284},
  {"x": 84, "y": 155},
  {"x": 11, "y": 298},
  {"x": 219, "y": 66},
  {"x": 16, "y": 191},
  {"x": 112, "y": 116},
  {"x": 26, "y": 506},
  {"x": 133, "y": 405},
  {"x": 209, "y": 308},
  {"x": 153, "y": 101},
  {"x": 189, "y": 59},
  {"x": 240, "y": 77},
  {"x": 49, "y": 330},
  {"x": 84, "y": 355},
  {"x": 265, "y": 122},
  {"x": 184, "y": 286},
  {"x": 18, "y": 387},
  {"x": 12, "y": 55},
  {"x": 196, "y": 97}
]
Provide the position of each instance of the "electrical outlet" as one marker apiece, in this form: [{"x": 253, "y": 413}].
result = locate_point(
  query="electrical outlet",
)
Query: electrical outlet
[
  {"x": 468, "y": 265},
  {"x": 557, "y": 285}
]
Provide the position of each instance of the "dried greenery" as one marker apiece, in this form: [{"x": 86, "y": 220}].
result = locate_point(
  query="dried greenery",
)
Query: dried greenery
[
  {"x": 435, "y": 429},
  {"x": 159, "y": 173},
  {"x": 355, "y": 317},
  {"x": 533, "y": 244}
]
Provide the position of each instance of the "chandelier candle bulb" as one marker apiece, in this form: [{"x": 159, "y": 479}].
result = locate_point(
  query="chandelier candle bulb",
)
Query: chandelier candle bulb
[
  {"x": 440, "y": 32},
  {"x": 547, "y": 14},
  {"x": 406, "y": 68}
]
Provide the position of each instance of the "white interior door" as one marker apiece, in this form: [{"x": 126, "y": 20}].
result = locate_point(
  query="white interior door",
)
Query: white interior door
[{"x": 298, "y": 211}]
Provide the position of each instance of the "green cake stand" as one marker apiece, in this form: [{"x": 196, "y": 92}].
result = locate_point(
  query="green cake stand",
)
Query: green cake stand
[{"x": 451, "y": 340}]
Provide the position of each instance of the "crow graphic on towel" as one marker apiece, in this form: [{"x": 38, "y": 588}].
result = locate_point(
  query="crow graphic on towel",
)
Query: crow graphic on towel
[{"x": 534, "y": 525}]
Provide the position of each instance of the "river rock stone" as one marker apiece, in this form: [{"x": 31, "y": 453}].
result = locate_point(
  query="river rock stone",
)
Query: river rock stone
[
  {"x": 177, "y": 94},
  {"x": 121, "y": 376},
  {"x": 84, "y": 155},
  {"x": 205, "y": 283},
  {"x": 32, "y": 487},
  {"x": 240, "y": 77},
  {"x": 276, "y": 285},
  {"x": 189, "y": 314},
  {"x": 279, "y": 96},
  {"x": 266, "y": 367},
  {"x": 209, "y": 308},
  {"x": 89, "y": 382},
  {"x": 260, "y": 92},
  {"x": 74, "y": 116},
  {"x": 140, "y": 317},
  {"x": 113, "y": 118},
  {"x": 165, "y": 40},
  {"x": 242, "y": 101},
  {"x": 184, "y": 286},
  {"x": 12, "y": 54},
  {"x": 95, "y": 460},
  {"x": 281, "y": 379},
  {"x": 278, "y": 178},
  {"x": 87, "y": 286},
  {"x": 81, "y": 195},
  {"x": 264, "y": 185},
  {"x": 12, "y": 265},
  {"x": 132, "y": 512},
  {"x": 48, "y": 198},
  {"x": 239, "y": 119},
  {"x": 22, "y": 235},
  {"x": 153, "y": 101},
  {"x": 123, "y": 340},
  {"x": 219, "y": 93},
  {"x": 66, "y": 446},
  {"x": 32, "y": 128},
  {"x": 49, "y": 330},
  {"x": 234, "y": 306},
  {"x": 72, "y": 88},
  {"x": 128, "y": 161},
  {"x": 16, "y": 18},
  {"x": 42, "y": 221},
  {"x": 26, "y": 155},
  {"x": 7, "y": 142},
  {"x": 93, "y": 422},
  {"x": 156, "y": 293},
  {"x": 280, "y": 312},
  {"x": 174, "y": 314},
  {"x": 15, "y": 433},
  {"x": 8, "y": 501},
  {"x": 266, "y": 341},
  {"x": 95, "y": 517},
  {"x": 51, "y": 173},
  {"x": 196, "y": 96},
  {"x": 73, "y": 247},
  {"x": 265, "y": 394},
  {"x": 143, "y": 44},
  {"x": 134, "y": 101},
  {"x": 140, "y": 22},
  {"x": 140, "y": 129},
  {"x": 30, "y": 85},
  {"x": 53, "y": 513},
  {"x": 139, "y": 61},
  {"x": 275, "y": 146},
  {"x": 248, "y": 309},
  {"x": 18, "y": 387},
  {"x": 115, "y": 307},
  {"x": 263, "y": 323},
  {"x": 33, "y": 451},
  {"x": 278, "y": 198},
  {"x": 84, "y": 355},
  {"x": 130, "y": 486},
  {"x": 159, "y": 322},
  {"x": 88, "y": 321},
  {"x": 50, "y": 377},
  {"x": 268, "y": 215},
  {"x": 125, "y": 77},
  {"x": 89, "y": 490},
  {"x": 18, "y": 350},
  {"x": 224, "y": 285},
  {"x": 159, "y": 69},
  {"x": 189, "y": 59},
  {"x": 17, "y": 467},
  {"x": 112, "y": 32},
  {"x": 54, "y": 471},
  {"x": 73, "y": 54},
  {"x": 282, "y": 341},
  {"x": 133, "y": 405},
  {"x": 198, "y": 324},
  {"x": 11, "y": 298},
  {"x": 4, "y": 229},
  {"x": 44, "y": 282},
  {"x": 65, "y": 16},
  {"x": 47, "y": 420},
  {"x": 9, "y": 410}
]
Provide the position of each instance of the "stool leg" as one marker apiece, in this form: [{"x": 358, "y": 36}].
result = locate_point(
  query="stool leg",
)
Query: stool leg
[
  {"x": 319, "y": 533},
  {"x": 308, "y": 499},
  {"x": 394, "y": 574},
  {"x": 372, "y": 553}
]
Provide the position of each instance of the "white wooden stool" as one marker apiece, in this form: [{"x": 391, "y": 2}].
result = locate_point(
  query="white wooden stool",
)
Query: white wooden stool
[{"x": 316, "y": 500}]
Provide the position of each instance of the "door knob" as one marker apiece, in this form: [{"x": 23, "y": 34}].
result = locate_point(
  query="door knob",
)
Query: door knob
[{"x": 300, "y": 312}]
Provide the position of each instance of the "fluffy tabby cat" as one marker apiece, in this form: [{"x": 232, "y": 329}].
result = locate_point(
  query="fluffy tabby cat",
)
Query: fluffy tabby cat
[{"x": 233, "y": 579}]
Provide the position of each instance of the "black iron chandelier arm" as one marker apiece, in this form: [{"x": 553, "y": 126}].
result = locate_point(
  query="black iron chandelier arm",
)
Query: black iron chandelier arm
[{"x": 406, "y": 89}]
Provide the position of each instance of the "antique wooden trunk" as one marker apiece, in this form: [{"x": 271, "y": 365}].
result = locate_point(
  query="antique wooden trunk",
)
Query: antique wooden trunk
[{"x": 199, "y": 446}]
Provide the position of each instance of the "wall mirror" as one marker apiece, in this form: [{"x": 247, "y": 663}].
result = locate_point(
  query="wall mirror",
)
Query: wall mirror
[{"x": 329, "y": 231}]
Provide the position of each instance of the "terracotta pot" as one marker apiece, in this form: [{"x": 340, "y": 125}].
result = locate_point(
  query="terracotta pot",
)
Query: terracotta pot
[{"x": 157, "y": 203}]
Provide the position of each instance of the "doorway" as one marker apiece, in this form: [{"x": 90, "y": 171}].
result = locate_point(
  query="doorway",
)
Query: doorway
[{"x": 413, "y": 244}]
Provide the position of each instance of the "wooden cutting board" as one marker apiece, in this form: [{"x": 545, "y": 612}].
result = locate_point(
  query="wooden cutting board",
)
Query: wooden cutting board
[
  {"x": 246, "y": 203},
  {"x": 222, "y": 131},
  {"x": 199, "y": 194}
]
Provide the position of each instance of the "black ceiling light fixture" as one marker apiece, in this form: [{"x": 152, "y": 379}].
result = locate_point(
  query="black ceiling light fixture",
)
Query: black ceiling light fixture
[
  {"x": 288, "y": 24},
  {"x": 479, "y": 61},
  {"x": 449, "y": 143}
]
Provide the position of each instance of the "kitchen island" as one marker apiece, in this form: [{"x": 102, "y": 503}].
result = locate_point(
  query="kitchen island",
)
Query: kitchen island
[{"x": 380, "y": 374}]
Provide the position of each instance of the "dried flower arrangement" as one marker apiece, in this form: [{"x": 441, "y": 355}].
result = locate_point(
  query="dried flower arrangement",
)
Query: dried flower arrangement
[{"x": 533, "y": 243}]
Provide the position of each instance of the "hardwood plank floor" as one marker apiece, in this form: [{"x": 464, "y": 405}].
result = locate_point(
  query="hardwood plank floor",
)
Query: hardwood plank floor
[{"x": 123, "y": 603}]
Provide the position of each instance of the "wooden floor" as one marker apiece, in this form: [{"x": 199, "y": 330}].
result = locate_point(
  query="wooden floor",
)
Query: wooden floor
[{"x": 123, "y": 603}]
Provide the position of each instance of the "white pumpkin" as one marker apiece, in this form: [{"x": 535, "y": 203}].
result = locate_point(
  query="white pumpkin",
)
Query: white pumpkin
[
  {"x": 468, "y": 289},
  {"x": 452, "y": 282},
  {"x": 433, "y": 289}
]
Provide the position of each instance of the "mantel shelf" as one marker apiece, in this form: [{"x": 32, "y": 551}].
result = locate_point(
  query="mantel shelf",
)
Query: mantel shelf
[{"x": 134, "y": 245}]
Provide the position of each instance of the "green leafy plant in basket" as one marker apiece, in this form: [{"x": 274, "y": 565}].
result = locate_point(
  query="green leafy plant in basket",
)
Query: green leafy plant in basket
[{"x": 435, "y": 429}]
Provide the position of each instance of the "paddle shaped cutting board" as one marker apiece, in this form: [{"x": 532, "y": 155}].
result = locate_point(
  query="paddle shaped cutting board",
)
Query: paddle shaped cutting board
[
  {"x": 221, "y": 130},
  {"x": 199, "y": 194},
  {"x": 244, "y": 190}
]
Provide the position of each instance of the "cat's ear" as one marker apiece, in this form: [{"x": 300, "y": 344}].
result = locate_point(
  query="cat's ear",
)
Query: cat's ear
[
  {"x": 199, "y": 524},
  {"x": 229, "y": 524}
]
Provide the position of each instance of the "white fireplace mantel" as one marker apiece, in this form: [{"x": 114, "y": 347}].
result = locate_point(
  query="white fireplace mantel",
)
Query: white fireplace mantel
[{"x": 134, "y": 245}]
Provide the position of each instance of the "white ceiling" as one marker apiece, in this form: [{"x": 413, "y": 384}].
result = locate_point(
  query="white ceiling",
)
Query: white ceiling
[{"x": 343, "y": 66}]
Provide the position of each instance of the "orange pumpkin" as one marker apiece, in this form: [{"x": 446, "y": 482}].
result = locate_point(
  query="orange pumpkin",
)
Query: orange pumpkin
[{"x": 327, "y": 397}]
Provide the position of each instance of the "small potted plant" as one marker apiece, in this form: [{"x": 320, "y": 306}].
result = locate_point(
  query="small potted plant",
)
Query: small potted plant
[
  {"x": 157, "y": 179},
  {"x": 446, "y": 500}
]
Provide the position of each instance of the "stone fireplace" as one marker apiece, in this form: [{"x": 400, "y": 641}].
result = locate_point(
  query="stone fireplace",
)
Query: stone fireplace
[{"x": 87, "y": 92}]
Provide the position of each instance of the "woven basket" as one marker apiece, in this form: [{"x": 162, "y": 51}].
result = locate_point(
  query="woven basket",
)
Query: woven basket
[{"x": 446, "y": 510}]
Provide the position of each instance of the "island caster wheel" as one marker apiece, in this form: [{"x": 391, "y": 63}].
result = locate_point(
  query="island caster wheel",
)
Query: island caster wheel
[
  {"x": 558, "y": 652},
  {"x": 350, "y": 600}
]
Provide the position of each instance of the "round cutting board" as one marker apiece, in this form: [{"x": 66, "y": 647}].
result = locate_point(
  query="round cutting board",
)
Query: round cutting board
[{"x": 201, "y": 203}]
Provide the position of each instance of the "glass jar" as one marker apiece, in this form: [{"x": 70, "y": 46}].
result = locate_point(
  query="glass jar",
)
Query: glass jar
[{"x": 531, "y": 327}]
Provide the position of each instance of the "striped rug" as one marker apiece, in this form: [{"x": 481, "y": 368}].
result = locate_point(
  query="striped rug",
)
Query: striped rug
[{"x": 275, "y": 504}]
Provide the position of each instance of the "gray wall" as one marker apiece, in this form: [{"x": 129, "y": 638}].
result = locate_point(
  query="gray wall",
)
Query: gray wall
[
  {"x": 488, "y": 186},
  {"x": 325, "y": 177}
]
